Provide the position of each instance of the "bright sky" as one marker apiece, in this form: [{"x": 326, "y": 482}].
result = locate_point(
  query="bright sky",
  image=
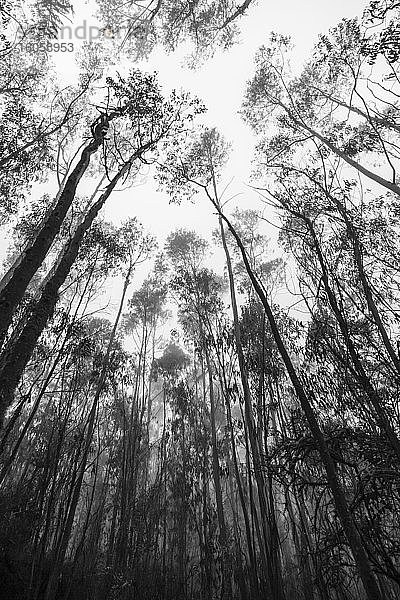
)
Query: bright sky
[{"x": 220, "y": 84}]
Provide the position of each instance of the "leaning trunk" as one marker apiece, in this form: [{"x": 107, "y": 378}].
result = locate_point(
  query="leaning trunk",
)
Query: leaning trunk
[
  {"x": 14, "y": 290},
  {"x": 15, "y": 359}
]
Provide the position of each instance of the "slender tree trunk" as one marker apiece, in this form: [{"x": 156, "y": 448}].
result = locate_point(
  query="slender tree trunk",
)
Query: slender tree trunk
[
  {"x": 51, "y": 590},
  {"x": 272, "y": 552},
  {"x": 376, "y": 402},
  {"x": 13, "y": 292},
  {"x": 226, "y": 570},
  {"x": 15, "y": 359},
  {"x": 250, "y": 546},
  {"x": 355, "y": 542}
]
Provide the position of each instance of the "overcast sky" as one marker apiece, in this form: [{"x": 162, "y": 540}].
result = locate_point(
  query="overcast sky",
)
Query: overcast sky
[{"x": 220, "y": 83}]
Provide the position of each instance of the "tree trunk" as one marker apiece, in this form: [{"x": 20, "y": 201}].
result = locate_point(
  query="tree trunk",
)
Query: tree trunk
[
  {"x": 15, "y": 359},
  {"x": 14, "y": 290},
  {"x": 349, "y": 527},
  {"x": 51, "y": 591}
]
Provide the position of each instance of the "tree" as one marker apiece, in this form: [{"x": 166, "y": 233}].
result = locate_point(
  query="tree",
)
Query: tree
[
  {"x": 189, "y": 171},
  {"x": 204, "y": 24},
  {"x": 148, "y": 119}
]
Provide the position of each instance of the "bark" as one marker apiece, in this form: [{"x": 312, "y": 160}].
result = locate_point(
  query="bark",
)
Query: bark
[
  {"x": 392, "y": 187},
  {"x": 273, "y": 565},
  {"x": 15, "y": 359},
  {"x": 380, "y": 412},
  {"x": 14, "y": 290},
  {"x": 349, "y": 527},
  {"x": 51, "y": 591}
]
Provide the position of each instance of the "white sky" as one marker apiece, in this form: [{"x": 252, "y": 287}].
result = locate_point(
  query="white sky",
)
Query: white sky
[{"x": 220, "y": 84}]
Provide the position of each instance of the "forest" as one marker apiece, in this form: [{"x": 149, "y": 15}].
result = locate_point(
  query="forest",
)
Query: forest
[{"x": 228, "y": 426}]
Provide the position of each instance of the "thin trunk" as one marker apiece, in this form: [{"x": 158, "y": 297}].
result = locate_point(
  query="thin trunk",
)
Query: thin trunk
[
  {"x": 13, "y": 292},
  {"x": 15, "y": 359},
  {"x": 274, "y": 572},
  {"x": 226, "y": 574},
  {"x": 51, "y": 590},
  {"x": 349, "y": 527},
  {"x": 380, "y": 412}
]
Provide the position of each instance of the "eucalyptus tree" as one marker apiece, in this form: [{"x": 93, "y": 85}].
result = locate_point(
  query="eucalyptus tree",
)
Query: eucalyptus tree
[
  {"x": 34, "y": 107},
  {"x": 338, "y": 112},
  {"x": 192, "y": 172},
  {"x": 348, "y": 287},
  {"x": 205, "y": 24},
  {"x": 331, "y": 220},
  {"x": 34, "y": 255},
  {"x": 46, "y": 444},
  {"x": 134, "y": 250},
  {"x": 336, "y": 107},
  {"x": 100, "y": 257},
  {"x": 198, "y": 169},
  {"x": 87, "y": 371},
  {"x": 151, "y": 121},
  {"x": 24, "y": 76},
  {"x": 198, "y": 290}
]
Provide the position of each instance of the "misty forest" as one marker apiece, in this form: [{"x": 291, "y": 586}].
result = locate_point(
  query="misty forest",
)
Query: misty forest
[{"x": 213, "y": 413}]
